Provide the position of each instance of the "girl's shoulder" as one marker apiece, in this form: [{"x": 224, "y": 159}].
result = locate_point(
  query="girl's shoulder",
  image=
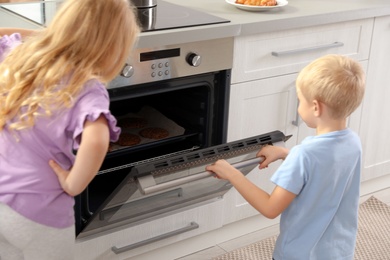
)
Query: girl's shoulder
[
  {"x": 94, "y": 87},
  {"x": 94, "y": 92},
  {"x": 9, "y": 42}
]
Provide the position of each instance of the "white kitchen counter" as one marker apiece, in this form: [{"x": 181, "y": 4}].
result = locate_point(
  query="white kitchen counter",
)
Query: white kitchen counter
[{"x": 297, "y": 14}]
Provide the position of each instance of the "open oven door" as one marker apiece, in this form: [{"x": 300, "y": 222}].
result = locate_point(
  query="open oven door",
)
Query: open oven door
[{"x": 167, "y": 184}]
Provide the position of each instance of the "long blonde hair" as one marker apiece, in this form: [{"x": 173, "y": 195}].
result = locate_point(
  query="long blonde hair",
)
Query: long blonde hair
[{"x": 86, "y": 39}]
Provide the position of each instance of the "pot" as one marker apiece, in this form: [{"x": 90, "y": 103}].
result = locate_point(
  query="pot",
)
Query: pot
[
  {"x": 144, "y": 3},
  {"x": 147, "y": 18}
]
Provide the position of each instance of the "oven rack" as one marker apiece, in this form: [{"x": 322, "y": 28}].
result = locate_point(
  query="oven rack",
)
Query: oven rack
[{"x": 129, "y": 165}]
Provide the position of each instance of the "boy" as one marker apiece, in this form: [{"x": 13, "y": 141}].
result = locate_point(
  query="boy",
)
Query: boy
[{"x": 317, "y": 185}]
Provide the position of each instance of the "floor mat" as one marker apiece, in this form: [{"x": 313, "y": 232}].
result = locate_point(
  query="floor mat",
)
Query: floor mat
[{"x": 372, "y": 243}]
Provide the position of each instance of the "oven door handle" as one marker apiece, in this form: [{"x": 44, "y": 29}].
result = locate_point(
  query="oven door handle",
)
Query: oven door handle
[{"x": 147, "y": 184}]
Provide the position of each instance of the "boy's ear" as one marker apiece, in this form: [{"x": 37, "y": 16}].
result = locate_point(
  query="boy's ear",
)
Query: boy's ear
[{"x": 317, "y": 109}]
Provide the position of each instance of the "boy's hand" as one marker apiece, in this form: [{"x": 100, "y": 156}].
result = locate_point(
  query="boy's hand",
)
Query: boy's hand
[
  {"x": 270, "y": 154},
  {"x": 222, "y": 169}
]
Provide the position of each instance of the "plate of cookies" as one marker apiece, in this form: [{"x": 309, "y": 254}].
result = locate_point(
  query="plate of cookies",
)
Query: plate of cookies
[
  {"x": 257, "y": 5},
  {"x": 148, "y": 125}
]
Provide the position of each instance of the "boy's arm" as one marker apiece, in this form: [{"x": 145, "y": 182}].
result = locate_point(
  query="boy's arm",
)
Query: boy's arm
[
  {"x": 270, "y": 205},
  {"x": 270, "y": 154}
]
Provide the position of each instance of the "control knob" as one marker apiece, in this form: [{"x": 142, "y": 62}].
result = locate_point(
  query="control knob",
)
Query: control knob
[
  {"x": 194, "y": 59},
  {"x": 127, "y": 71}
]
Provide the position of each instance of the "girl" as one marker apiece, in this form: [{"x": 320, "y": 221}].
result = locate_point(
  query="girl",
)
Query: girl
[{"x": 53, "y": 101}]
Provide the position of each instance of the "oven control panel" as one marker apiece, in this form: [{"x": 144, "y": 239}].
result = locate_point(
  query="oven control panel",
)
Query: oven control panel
[
  {"x": 161, "y": 69},
  {"x": 175, "y": 61}
]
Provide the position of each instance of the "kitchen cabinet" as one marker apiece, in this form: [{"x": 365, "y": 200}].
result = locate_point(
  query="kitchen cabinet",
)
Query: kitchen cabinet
[
  {"x": 265, "y": 67},
  {"x": 259, "y": 106},
  {"x": 278, "y": 53},
  {"x": 374, "y": 124},
  {"x": 263, "y": 95}
]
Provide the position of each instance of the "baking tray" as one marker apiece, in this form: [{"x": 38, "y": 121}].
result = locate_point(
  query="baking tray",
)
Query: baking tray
[{"x": 154, "y": 119}]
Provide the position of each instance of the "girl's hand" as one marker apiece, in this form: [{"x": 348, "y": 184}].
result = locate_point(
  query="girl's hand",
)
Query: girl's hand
[
  {"x": 270, "y": 154},
  {"x": 60, "y": 172},
  {"x": 90, "y": 155}
]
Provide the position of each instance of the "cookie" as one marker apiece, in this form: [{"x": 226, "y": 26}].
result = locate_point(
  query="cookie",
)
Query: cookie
[
  {"x": 154, "y": 133},
  {"x": 127, "y": 139},
  {"x": 132, "y": 122}
]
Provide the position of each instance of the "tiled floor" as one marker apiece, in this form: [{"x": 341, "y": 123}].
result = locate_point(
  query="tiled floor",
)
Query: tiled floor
[{"x": 207, "y": 254}]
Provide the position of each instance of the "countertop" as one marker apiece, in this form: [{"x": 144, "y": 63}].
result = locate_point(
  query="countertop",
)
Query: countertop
[{"x": 297, "y": 14}]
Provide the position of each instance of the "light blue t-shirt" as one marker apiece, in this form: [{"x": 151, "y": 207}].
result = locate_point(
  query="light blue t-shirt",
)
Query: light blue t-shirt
[{"x": 321, "y": 222}]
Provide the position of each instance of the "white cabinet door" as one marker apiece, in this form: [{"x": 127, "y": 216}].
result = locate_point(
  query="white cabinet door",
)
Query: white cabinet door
[
  {"x": 259, "y": 107},
  {"x": 375, "y": 123},
  {"x": 262, "y": 106}
]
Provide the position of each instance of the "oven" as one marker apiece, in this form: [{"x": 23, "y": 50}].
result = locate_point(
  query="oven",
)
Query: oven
[{"x": 182, "y": 89}]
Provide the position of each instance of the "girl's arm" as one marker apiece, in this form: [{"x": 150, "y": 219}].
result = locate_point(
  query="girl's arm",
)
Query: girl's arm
[
  {"x": 93, "y": 148},
  {"x": 9, "y": 31}
]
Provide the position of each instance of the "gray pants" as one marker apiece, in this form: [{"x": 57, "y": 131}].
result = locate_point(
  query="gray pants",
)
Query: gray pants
[{"x": 21, "y": 238}]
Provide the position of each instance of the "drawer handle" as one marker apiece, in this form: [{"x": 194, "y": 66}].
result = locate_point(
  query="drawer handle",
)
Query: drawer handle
[
  {"x": 118, "y": 250},
  {"x": 296, "y": 121},
  {"x": 319, "y": 47},
  {"x": 147, "y": 184}
]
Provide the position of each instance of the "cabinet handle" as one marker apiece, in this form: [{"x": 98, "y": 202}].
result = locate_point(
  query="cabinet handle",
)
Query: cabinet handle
[
  {"x": 296, "y": 121},
  {"x": 118, "y": 250},
  {"x": 319, "y": 47},
  {"x": 147, "y": 184}
]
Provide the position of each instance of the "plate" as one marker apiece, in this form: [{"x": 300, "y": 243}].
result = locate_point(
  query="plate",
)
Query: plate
[{"x": 255, "y": 8}]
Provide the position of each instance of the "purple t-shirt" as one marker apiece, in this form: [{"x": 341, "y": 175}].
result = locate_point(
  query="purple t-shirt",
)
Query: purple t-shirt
[{"x": 27, "y": 183}]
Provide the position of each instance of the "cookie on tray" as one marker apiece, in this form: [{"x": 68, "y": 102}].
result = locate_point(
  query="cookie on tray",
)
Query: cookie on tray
[
  {"x": 132, "y": 122},
  {"x": 127, "y": 139},
  {"x": 154, "y": 133}
]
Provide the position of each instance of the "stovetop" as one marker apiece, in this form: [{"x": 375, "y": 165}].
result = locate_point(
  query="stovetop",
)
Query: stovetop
[
  {"x": 163, "y": 16},
  {"x": 171, "y": 16}
]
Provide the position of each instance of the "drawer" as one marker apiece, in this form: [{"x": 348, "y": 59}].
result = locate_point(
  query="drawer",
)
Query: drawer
[
  {"x": 131, "y": 241},
  {"x": 285, "y": 52}
]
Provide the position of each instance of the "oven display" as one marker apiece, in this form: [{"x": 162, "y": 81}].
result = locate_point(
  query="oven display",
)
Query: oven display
[{"x": 163, "y": 54}]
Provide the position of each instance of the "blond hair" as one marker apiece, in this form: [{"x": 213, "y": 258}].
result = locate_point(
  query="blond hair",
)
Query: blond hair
[
  {"x": 335, "y": 80},
  {"x": 86, "y": 39}
]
